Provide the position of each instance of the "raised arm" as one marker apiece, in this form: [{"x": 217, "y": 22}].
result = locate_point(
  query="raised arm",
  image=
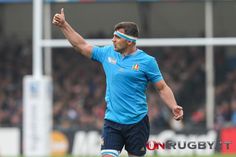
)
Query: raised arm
[
  {"x": 168, "y": 97},
  {"x": 76, "y": 40}
]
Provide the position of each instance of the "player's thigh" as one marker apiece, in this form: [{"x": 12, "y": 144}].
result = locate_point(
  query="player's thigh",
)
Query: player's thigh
[
  {"x": 137, "y": 137},
  {"x": 112, "y": 140}
]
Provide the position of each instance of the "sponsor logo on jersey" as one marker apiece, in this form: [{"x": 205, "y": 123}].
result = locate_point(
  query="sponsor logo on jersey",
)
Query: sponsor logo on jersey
[{"x": 111, "y": 60}]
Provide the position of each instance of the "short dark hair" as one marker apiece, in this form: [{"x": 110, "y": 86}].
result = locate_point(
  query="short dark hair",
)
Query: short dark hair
[{"x": 130, "y": 28}]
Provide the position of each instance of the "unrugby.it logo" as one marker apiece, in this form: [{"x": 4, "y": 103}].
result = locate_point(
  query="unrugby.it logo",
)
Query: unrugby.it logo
[{"x": 155, "y": 145}]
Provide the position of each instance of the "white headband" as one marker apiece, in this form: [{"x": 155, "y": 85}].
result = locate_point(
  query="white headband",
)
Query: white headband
[{"x": 125, "y": 36}]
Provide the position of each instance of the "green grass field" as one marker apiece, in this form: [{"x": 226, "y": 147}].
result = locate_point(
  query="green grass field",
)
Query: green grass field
[{"x": 216, "y": 155}]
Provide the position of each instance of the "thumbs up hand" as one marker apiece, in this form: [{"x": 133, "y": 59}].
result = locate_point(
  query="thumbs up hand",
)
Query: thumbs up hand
[{"x": 59, "y": 18}]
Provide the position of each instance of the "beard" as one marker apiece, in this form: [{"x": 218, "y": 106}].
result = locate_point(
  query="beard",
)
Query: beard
[{"x": 121, "y": 50}]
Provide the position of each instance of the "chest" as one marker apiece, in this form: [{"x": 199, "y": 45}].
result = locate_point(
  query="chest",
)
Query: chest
[{"x": 124, "y": 68}]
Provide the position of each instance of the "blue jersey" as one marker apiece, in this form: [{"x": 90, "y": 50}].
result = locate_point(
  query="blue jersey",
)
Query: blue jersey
[{"x": 127, "y": 78}]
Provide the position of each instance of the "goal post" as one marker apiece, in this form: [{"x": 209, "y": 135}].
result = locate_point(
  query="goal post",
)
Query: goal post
[
  {"x": 37, "y": 97},
  {"x": 150, "y": 42},
  {"x": 37, "y": 116}
]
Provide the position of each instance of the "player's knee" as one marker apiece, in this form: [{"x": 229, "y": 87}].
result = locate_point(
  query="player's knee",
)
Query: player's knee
[
  {"x": 110, "y": 153},
  {"x": 107, "y": 155}
]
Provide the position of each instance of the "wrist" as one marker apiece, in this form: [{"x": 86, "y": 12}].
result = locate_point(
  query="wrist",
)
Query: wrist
[
  {"x": 174, "y": 106},
  {"x": 63, "y": 25}
]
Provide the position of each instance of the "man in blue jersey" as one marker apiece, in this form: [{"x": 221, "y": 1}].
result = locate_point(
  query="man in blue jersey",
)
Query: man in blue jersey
[{"x": 128, "y": 71}]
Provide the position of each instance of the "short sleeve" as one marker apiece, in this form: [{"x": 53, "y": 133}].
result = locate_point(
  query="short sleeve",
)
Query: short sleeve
[
  {"x": 99, "y": 53},
  {"x": 153, "y": 72}
]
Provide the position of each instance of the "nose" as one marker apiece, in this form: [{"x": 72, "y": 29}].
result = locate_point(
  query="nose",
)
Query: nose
[{"x": 113, "y": 39}]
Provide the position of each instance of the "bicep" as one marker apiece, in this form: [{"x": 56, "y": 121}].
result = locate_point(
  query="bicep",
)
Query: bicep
[
  {"x": 153, "y": 72},
  {"x": 85, "y": 51}
]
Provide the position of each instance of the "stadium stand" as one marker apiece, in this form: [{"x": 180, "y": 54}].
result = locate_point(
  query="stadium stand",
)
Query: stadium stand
[{"x": 79, "y": 86}]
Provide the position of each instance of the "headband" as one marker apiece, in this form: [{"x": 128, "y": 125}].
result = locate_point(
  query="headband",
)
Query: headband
[{"x": 125, "y": 36}]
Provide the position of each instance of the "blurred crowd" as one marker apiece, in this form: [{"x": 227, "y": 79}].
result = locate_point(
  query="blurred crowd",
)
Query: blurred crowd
[{"x": 79, "y": 87}]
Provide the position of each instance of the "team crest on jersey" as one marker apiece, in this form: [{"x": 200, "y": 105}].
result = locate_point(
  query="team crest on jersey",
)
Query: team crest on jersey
[
  {"x": 111, "y": 60},
  {"x": 135, "y": 67}
]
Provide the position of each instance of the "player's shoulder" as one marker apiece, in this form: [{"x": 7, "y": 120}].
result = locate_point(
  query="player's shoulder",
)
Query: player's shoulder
[
  {"x": 106, "y": 50},
  {"x": 106, "y": 47},
  {"x": 109, "y": 49},
  {"x": 146, "y": 57}
]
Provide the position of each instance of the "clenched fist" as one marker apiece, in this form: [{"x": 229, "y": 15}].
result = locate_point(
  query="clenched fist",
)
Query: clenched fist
[
  {"x": 59, "y": 19},
  {"x": 178, "y": 112}
]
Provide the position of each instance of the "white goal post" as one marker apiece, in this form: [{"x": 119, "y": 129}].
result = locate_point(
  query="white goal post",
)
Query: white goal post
[{"x": 150, "y": 42}]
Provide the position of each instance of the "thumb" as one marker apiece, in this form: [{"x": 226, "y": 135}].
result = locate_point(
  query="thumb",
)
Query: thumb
[{"x": 62, "y": 11}]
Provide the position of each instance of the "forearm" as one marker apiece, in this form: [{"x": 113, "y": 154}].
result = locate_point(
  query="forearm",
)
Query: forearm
[
  {"x": 76, "y": 40},
  {"x": 167, "y": 96}
]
